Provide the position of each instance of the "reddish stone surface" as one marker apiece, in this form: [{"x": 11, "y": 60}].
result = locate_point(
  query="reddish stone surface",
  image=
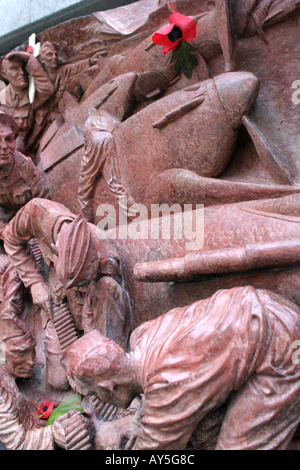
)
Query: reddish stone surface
[{"x": 112, "y": 118}]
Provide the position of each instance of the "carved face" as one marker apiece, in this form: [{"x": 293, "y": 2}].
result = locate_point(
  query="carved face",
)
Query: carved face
[
  {"x": 20, "y": 356},
  {"x": 7, "y": 145},
  {"x": 109, "y": 391},
  {"x": 15, "y": 74},
  {"x": 49, "y": 58},
  {"x": 21, "y": 117}
]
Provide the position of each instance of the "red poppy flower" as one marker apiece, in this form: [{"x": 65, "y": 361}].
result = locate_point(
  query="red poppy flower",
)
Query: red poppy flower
[
  {"x": 45, "y": 409},
  {"x": 181, "y": 27},
  {"x": 30, "y": 50}
]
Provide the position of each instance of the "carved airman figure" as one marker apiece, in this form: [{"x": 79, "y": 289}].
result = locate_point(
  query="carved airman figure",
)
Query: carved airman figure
[
  {"x": 20, "y": 181},
  {"x": 60, "y": 75},
  {"x": 234, "y": 347},
  {"x": 83, "y": 269},
  {"x": 14, "y": 98}
]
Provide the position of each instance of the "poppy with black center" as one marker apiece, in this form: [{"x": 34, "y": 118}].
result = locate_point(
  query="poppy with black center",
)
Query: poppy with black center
[
  {"x": 180, "y": 28},
  {"x": 175, "y": 34},
  {"x": 45, "y": 409}
]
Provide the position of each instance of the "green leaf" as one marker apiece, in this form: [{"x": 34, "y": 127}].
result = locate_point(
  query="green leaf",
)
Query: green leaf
[
  {"x": 79, "y": 92},
  {"x": 194, "y": 59},
  {"x": 184, "y": 58},
  {"x": 70, "y": 402},
  {"x": 175, "y": 54}
]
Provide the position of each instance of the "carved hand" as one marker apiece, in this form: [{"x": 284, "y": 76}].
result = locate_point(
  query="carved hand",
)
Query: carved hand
[
  {"x": 70, "y": 431},
  {"x": 41, "y": 296}
]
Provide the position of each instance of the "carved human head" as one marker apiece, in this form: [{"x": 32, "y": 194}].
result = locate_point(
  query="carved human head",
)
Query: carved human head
[
  {"x": 14, "y": 72},
  {"x": 17, "y": 346},
  {"x": 48, "y": 56},
  {"x": 99, "y": 366},
  {"x": 8, "y": 139}
]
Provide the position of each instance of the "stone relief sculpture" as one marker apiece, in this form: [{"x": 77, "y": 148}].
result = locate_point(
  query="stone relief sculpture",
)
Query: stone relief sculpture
[
  {"x": 100, "y": 159},
  {"x": 60, "y": 75},
  {"x": 70, "y": 246},
  {"x": 15, "y": 99},
  {"x": 252, "y": 17},
  {"x": 82, "y": 269},
  {"x": 19, "y": 427},
  {"x": 188, "y": 361},
  {"x": 20, "y": 181},
  {"x": 149, "y": 200}
]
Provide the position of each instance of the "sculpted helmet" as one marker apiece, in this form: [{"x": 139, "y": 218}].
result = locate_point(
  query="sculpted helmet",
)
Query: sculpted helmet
[
  {"x": 78, "y": 254},
  {"x": 11, "y": 327}
]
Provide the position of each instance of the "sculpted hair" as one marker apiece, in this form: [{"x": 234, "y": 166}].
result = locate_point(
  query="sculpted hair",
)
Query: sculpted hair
[
  {"x": 46, "y": 46},
  {"x": 8, "y": 58},
  {"x": 102, "y": 362},
  {"x": 8, "y": 121},
  {"x": 94, "y": 356}
]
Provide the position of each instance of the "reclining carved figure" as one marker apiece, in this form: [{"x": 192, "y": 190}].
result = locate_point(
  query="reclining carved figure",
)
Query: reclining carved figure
[{"x": 14, "y": 99}]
